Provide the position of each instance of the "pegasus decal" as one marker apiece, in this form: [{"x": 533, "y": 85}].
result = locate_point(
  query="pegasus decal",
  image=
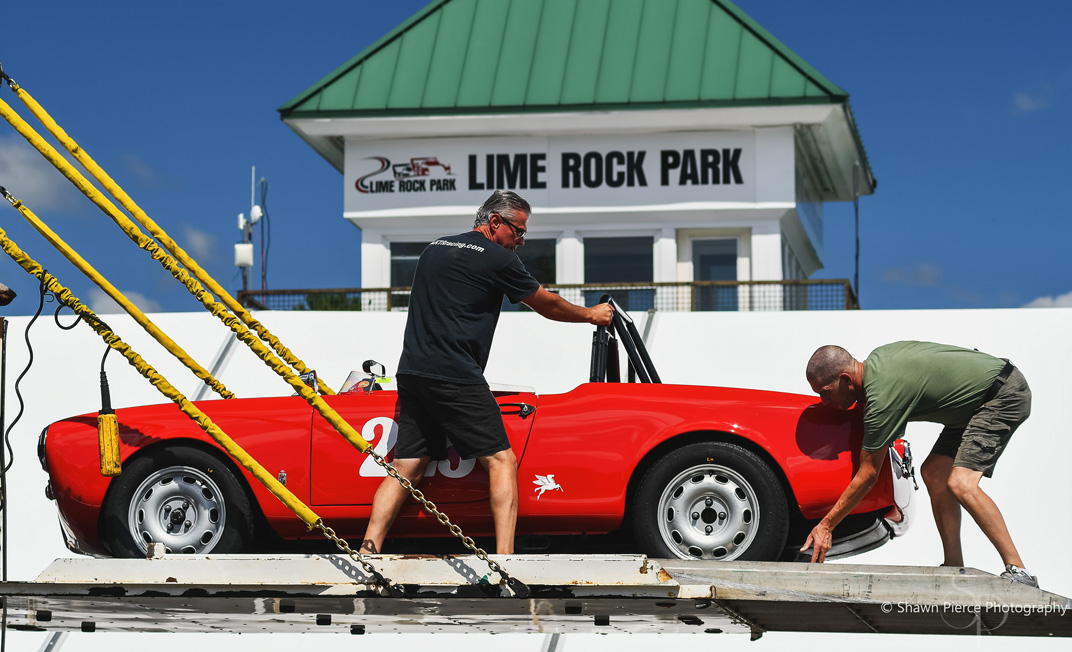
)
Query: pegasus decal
[{"x": 546, "y": 483}]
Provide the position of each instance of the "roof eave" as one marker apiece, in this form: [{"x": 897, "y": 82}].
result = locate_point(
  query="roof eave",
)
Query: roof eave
[
  {"x": 326, "y": 146},
  {"x": 835, "y": 147},
  {"x": 398, "y": 112}
]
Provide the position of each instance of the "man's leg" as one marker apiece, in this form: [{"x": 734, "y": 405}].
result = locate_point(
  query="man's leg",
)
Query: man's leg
[
  {"x": 388, "y": 501},
  {"x": 502, "y": 471},
  {"x": 936, "y": 470},
  {"x": 964, "y": 485},
  {"x": 985, "y": 439}
]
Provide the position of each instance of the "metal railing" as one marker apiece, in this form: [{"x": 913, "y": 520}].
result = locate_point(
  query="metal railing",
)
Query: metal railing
[{"x": 696, "y": 296}]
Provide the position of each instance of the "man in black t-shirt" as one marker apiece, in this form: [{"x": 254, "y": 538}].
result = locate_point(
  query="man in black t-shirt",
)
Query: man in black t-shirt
[{"x": 454, "y": 306}]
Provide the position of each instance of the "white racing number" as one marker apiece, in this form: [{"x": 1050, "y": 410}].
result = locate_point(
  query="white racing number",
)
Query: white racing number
[{"x": 382, "y": 433}]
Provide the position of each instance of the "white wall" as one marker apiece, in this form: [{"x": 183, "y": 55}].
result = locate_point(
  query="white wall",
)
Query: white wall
[{"x": 757, "y": 350}]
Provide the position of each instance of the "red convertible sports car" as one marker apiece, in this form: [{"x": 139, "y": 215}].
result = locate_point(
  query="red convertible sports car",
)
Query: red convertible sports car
[{"x": 687, "y": 471}]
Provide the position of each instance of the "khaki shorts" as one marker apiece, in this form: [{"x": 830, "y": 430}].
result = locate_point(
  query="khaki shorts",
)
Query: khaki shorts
[{"x": 979, "y": 445}]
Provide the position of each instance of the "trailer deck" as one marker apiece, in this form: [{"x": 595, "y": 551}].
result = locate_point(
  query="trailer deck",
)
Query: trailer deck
[{"x": 569, "y": 594}]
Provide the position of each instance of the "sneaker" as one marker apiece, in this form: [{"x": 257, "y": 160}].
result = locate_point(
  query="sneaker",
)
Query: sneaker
[{"x": 1020, "y": 575}]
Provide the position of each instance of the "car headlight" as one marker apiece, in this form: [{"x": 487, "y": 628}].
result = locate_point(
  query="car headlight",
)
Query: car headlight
[{"x": 41, "y": 448}]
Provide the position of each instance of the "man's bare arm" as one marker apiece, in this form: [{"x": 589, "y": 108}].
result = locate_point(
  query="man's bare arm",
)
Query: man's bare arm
[
  {"x": 820, "y": 539},
  {"x": 554, "y": 307}
]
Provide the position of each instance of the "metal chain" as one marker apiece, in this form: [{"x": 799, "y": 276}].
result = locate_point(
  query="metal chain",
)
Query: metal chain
[
  {"x": 431, "y": 508},
  {"x": 519, "y": 587},
  {"x": 428, "y": 505},
  {"x": 389, "y": 586}
]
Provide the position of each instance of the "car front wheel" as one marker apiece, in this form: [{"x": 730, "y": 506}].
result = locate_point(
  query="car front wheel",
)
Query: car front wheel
[
  {"x": 181, "y": 497},
  {"x": 711, "y": 500}
]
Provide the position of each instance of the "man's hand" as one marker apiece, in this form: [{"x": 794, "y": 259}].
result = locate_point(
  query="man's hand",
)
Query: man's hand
[
  {"x": 819, "y": 541},
  {"x": 554, "y": 307},
  {"x": 600, "y": 315}
]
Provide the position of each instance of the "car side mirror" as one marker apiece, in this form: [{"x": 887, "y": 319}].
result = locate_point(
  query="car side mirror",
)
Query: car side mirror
[{"x": 369, "y": 366}]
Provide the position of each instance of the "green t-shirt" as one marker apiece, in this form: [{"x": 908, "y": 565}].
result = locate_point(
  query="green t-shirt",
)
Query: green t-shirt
[{"x": 922, "y": 381}]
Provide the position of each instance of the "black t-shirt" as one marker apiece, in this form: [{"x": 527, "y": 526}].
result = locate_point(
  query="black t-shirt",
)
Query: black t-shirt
[{"x": 458, "y": 290}]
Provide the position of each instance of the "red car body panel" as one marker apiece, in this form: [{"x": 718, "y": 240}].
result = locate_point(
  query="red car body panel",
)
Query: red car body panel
[{"x": 593, "y": 441}]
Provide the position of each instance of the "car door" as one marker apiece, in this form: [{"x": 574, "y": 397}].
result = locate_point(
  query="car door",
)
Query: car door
[{"x": 342, "y": 475}]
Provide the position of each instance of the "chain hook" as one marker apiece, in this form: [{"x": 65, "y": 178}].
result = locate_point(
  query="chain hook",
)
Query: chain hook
[
  {"x": 6, "y": 77},
  {"x": 454, "y": 529},
  {"x": 392, "y": 589}
]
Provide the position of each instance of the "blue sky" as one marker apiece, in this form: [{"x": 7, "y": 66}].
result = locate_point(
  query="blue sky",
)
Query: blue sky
[{"x": 963, "y": 109}]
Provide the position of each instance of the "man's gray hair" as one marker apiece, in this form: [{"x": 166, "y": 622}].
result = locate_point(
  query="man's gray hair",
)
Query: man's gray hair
[
  {"x": 500, "y": 202},
  {"x": 827, "y": 363}
]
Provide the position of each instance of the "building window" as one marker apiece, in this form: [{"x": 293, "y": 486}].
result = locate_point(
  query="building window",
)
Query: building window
[
  {"x": 715, "y": 260},
  {"x": 794, "y": 297},
  {"x": 538, "y": 257},
  {"x": 404, "y": 257},
  {"x": 620, "y": 260}
]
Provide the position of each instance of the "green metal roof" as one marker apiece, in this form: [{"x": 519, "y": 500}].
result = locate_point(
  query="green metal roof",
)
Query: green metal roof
[{"x": 474, "y": 56}]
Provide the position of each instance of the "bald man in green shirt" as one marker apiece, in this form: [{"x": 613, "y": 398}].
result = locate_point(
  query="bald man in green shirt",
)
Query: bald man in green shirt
[{"x": 980, "y": 400}]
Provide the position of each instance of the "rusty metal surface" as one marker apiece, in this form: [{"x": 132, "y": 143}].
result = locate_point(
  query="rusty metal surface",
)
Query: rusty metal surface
[
  {"x": 328, "y": 593},
  {"x": 631, "y": 574},
  {"x": 570, "y": 594},
  {"x": 260, "y": 610},
  {"x": 891, "y": 599}
]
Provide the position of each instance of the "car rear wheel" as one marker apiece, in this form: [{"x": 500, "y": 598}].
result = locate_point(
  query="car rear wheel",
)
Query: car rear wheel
[
  {"x": 182, "y": 497},
  {"x": 711, "y": 500}
]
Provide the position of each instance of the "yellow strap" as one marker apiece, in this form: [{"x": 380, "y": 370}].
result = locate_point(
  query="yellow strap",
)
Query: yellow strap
[
  {"x": 145, "y": 242},
  {"x": 154, "y": 230},
  {"x": 118, "y": 297},
  {"x": 189, "y": 409}
]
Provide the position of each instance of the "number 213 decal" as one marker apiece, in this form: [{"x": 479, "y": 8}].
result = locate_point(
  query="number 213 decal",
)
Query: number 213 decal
[{"x": 382, "y": 433}]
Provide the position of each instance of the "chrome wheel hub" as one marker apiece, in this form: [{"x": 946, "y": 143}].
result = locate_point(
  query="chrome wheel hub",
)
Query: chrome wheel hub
[
  {"x": 708, "y": 512},
  {"x": 180, "y": 507}
]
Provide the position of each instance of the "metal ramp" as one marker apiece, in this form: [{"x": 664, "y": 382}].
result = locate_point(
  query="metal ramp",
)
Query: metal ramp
[
  {"x": 569, "y": 594},
  {"x": 801, "y": 597}
]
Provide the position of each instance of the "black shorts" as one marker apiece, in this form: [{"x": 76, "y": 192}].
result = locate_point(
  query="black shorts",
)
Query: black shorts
[{"x": 432, "y": 411}]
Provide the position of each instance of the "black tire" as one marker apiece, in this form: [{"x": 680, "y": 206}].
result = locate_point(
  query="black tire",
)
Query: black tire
[
  {"x": 715, "y": 485},
  {"x": 183, "y": 497}
]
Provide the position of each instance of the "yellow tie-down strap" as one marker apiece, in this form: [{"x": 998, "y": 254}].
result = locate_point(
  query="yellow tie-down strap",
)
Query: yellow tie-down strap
[
  {"x": 300, "y": 509},
  {"x": 70, "y": 254},
  {"x": 128, "y": 227},
  {"x": 241, "y": 332}
]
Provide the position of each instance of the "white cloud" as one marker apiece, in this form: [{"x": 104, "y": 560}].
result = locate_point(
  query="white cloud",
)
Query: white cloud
[
  {"x": 199, "y": 243},
  {"x": 139, "y": 167},
  {"x": 918, "y": 275},
  {"x": 1025, "y": 102},
  {"x": 102, "y": 304},
  {"x": 1059, "y": 301},
  {"x": 29, "y": 177}
]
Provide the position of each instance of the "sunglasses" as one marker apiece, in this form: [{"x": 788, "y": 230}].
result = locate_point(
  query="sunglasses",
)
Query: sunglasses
[{"x": 518, "y": 231}]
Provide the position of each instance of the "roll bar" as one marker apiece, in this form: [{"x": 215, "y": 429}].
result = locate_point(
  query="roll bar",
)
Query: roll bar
[{"x": 605, "y": 366}]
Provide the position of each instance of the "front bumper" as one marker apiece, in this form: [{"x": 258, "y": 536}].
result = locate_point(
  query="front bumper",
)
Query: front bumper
[
  {"x": 69, "y": 538},
  {"x": 873, "y": 537},
  {"x": 893, "y": 523},
  {"x": 902, "y": 514}
]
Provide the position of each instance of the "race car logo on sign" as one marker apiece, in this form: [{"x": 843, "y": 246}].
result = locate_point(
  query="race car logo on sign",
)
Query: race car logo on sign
[
  {"x": 420, "y": 174},
  {"x": 545, "y": 483}
]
